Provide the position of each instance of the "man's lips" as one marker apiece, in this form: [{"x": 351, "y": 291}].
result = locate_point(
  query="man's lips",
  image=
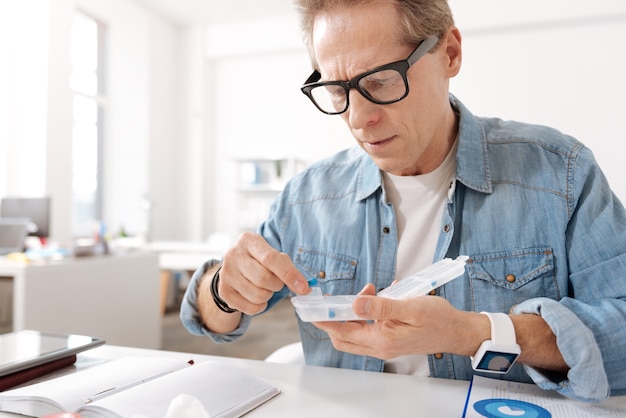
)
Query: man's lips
[{"x": 377, "y": 143}]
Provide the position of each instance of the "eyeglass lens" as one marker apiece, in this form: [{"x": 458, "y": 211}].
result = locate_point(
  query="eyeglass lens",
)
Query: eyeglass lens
[{"x": 384, "y": 86}]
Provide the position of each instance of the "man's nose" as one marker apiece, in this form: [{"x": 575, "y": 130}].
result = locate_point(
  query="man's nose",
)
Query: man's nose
[{"x": 361, "y": 111}]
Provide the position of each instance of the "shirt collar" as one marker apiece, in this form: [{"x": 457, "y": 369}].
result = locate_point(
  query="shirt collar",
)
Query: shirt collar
[
  {"x": 472, "y": 162},
  {"x": 370, "y": 178},
  {"x": 472, "y": 159}
]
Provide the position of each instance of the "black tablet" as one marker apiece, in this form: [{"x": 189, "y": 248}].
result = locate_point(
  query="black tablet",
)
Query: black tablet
[{"x": 25, "y": 349}]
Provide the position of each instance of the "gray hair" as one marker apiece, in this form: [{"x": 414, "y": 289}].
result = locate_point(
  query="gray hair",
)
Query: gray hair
[{"x": 420, "y": 19}]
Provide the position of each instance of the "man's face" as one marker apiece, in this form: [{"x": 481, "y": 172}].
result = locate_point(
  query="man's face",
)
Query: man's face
[{"x": 409, "y": 137}]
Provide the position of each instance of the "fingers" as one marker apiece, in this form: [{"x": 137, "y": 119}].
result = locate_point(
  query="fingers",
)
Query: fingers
[
  {"x": 419, "y": 325},
  {"x": 280, "y": 269},
  {"x": 361, "y": 338},
  {"x": 252, "y": 271}
]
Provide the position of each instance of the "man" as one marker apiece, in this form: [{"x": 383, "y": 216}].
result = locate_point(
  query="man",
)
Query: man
[{"x": 545, "y": 236}]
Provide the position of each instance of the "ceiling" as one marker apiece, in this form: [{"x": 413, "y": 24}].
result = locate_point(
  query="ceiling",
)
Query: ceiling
[{"x": 185, "y": 12}]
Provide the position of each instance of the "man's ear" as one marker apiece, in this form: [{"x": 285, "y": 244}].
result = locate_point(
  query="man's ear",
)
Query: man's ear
[{"x": 453, "y": 50}]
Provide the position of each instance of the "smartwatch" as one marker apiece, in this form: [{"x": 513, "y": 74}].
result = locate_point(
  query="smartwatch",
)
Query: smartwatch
[{"x": 498, "y": 354}]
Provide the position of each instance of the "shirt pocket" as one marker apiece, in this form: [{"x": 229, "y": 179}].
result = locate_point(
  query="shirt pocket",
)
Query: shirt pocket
[
  {"x": 502, "y": 279},
  {"x": 335, "y": 273}
]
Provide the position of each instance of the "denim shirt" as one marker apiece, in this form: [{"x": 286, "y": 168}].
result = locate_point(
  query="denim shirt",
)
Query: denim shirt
[{"x": 532, "y": 210}]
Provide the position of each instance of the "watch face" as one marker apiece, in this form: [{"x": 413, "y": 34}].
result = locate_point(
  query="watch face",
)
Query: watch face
[{"x": 496, "y": 361}]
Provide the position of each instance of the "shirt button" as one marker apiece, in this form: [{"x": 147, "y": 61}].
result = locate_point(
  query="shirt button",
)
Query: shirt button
[
  {"x": 386, "y": 230},
  {"x": 438, "y": 356},
  {"x": 321, "y": 274},
  {"x": 446, "y": 229},
  {"x": 510, "y": 278}
]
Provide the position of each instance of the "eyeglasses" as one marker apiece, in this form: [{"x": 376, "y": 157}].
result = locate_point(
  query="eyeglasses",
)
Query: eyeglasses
[{"x": 382, "y": 85}]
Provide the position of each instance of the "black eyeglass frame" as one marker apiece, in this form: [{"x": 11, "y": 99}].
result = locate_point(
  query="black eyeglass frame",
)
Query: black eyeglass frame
[{"x": 401, "y": 67}]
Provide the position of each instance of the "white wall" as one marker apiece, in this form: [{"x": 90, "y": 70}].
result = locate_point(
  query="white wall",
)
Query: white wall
[
  {"x": 156, "y": 163},
  {"x": 58, "y": 125},
  {"x": 23, "y": 83},
  {"x": 194, "y": 212},
  {"x": 142, "y": 128}
]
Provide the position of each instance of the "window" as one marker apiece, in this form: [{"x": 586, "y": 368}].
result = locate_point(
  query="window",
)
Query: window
[{"x": 89, "y": 107}]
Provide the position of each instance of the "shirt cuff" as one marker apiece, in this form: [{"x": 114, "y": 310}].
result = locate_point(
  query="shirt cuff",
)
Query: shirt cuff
[
  {"x": 586, "y": 379},
  {"x": 190, "y": 315}
]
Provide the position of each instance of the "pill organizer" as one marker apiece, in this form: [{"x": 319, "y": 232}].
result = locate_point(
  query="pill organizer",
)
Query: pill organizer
[{"x": 317, "y": 307}]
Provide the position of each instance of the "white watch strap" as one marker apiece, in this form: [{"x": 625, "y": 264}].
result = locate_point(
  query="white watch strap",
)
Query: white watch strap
[{"x": 502, "y": 329}]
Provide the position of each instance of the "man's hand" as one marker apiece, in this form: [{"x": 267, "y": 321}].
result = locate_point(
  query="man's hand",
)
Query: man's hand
[
  {"x": 419, "y": 325},
  {"x": 252, "y": 271}
]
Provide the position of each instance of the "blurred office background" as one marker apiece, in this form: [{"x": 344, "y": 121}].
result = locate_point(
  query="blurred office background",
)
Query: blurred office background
[{"x": 179, "y": 120}]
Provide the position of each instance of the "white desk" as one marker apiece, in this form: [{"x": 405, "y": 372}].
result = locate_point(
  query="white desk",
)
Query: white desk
[
  {"x": 325, "y": 392},
  {"x": 182, "y": 255},
  {"x": 111, "y": 297}
]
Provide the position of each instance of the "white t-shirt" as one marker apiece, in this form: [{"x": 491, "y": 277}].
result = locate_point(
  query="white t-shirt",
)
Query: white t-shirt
[{"x": 418, "y": 202}]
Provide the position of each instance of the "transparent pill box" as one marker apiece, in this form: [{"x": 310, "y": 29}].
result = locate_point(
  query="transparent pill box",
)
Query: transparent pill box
[{"x": 317, "y": 307}]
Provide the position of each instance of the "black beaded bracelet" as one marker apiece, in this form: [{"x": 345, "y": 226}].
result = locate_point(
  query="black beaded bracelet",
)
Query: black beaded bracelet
[{"x": 221, "y": 305}]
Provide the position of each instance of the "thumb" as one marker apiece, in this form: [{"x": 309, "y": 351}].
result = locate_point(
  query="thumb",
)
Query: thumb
[{"x": 377, "y": 308}]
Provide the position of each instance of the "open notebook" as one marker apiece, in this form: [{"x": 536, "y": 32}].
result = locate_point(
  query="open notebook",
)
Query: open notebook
[{"x": 142, "y": 386}]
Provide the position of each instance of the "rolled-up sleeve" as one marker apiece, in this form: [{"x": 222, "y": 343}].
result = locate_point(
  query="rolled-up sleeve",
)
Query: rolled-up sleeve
[
  {"x": 586, "y": 379},
  {"x": 190, "y": 315}
]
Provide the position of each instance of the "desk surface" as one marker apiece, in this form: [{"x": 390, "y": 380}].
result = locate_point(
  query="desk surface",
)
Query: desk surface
[
  {"x": 179, "y": 255},
  {"x": 308, "y": 391},
  {"x": 185, "y": 261}
]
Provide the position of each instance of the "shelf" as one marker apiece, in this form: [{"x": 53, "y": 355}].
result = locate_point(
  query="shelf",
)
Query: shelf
[{"x": 259, "y": 181}]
